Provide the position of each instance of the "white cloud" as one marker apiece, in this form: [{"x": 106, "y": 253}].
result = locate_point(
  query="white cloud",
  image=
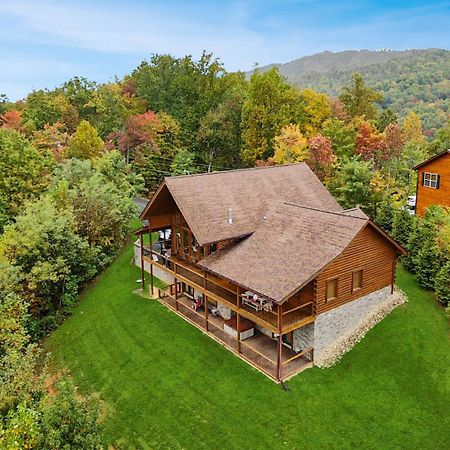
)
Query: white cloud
[{"x": 240, "y": 32}]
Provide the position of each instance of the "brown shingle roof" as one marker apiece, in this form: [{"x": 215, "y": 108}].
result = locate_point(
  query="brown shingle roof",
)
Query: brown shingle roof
[
  {"x": 287, "y": 250},
  {"x": 204, "y": 199}
]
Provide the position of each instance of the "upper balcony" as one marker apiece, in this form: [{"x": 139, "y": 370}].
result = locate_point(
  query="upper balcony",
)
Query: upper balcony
[{"x": 294, "y": 313}]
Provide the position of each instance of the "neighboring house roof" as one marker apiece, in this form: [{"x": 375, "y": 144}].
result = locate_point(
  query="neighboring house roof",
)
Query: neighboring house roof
[
  {"x": 418, "y": 166},
  {"x": 205, "y": 199},
  {"x": 288, "y": 249}
]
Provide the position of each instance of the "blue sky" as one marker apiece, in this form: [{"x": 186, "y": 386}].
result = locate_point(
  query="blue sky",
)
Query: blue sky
[{"x": 43, "y": 43}]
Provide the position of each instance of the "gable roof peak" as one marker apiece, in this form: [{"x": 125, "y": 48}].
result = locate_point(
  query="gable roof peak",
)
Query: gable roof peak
[{"x": 205, "y": 199}]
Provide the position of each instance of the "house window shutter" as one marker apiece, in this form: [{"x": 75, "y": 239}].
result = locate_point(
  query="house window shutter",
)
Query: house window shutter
[
  {"x": 438, "y": 182},
  {"x": 423, "y": 178}
]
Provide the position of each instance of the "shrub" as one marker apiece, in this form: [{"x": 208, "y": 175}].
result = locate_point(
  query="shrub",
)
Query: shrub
[
  {"x": 385, "y": 216},
  {"x": 443, "y": 285},
  {"x": 413, "y": 245},
  {"x": 402, "y": 226},
  {"x": 68, "y": 421},
  {"x": 427, "y": 261}
]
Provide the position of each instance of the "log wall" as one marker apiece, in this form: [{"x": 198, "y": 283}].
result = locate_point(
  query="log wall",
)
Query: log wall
[
  {"x": 369, "y": 252},
  {"x": 427, "y": 196}
]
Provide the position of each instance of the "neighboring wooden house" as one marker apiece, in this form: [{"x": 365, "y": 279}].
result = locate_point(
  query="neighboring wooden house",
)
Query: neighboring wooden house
[
  {"x": 433, "y": 182},
  {"x": 266, "y": 262}
]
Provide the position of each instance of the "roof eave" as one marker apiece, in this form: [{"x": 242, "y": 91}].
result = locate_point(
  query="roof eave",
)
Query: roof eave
[
  {"x": 150, "y": 202},
  {"x": 433, "y": 158},
  {"x": 398, "y": 246}
]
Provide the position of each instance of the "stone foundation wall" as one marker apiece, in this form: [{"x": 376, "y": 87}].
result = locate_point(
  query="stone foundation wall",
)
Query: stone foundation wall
[
  {"x": 263, "y": 330},
  {"x": 158, "y": 273},
  {"x": 338, "y": 330},
  {"x": 224, "y": 312},
  {"x": 303, "y": 338}
]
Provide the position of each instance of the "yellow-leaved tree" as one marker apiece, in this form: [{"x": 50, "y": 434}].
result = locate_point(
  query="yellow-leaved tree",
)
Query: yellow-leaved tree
[
  {"x": 290, "y": 145},
  {"x": 85, "y": 143},
  {"x": 412, "y": 128}
]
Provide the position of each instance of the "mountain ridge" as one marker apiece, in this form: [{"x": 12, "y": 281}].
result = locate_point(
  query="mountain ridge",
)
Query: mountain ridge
[{"x": 411, "y": 79}]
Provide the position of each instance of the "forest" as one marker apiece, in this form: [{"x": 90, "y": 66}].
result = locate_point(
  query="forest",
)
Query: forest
[
  {"x": 73, "y": 158},
  {"x": 410, "y": 80}
]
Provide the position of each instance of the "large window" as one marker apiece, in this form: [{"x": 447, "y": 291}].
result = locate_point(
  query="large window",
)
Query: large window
[
  {"x": 357, "y": 280},
  {"x": 431, "y": 180},
  {"x": 332, "y": 289}
]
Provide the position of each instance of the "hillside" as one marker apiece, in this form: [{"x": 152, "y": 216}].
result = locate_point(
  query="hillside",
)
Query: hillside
[{"x": 416, "y": 80}]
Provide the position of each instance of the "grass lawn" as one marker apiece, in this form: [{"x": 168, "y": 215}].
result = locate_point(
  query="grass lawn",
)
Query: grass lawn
[{"x": 166, "y": 385}]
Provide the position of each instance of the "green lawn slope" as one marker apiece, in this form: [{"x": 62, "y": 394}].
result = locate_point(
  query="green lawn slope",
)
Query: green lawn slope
[{"x": 164, "y": 384}]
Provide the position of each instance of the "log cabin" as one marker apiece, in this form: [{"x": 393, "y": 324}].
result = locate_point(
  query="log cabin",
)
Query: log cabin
[
  {"x": 265, "y": 261},
  {"x": 433, "y": 182}
]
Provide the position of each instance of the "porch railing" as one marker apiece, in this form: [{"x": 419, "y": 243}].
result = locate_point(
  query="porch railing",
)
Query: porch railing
[{"x": 211, "y": 287}]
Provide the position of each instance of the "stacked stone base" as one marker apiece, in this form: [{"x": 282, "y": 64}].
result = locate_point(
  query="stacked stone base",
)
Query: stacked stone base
[{"x": 336, "y": 332}]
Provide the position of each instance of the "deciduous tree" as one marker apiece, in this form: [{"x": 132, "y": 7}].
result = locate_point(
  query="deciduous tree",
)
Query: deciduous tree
[
  {"x": 54, "y": 139},
  {"x": 270, "y": 104},
  {"x": 219, "y": 135},
  {"x": 412, "y": 128},
  {"x": 85, "y": 143},
  {"x": 370, "y": 144},
  {"x": 12, "y": 120},
  {"x": 290, "y": 145},
  {"x": 342, "y": 135},
  {"x": 321, "y": 158},
  {"x": 24, "y": 173},
  {"x": 316, "y": 111},
  {"x": 183, "y": 163},
  {"x": 351, "y": 184}
]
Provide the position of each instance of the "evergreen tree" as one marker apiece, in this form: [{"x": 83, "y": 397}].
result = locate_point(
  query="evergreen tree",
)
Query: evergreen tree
[
  {"x": 387, "y": 117},
  {"x": 427, "y": 259},
  {"x": 402, "y": 226},
  {"x": 443, "y": 284},
  {"x": 359, "y": 100},
  {"x": 385, "y": 216}
]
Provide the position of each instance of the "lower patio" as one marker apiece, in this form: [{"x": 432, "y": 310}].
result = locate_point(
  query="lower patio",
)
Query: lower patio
[{"x": 257, "y": 349}]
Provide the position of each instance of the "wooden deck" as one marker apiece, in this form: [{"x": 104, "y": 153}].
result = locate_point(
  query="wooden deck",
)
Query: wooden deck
[
  {"x": 295, "y": 313},
  {"x": 260, "y": 351}
]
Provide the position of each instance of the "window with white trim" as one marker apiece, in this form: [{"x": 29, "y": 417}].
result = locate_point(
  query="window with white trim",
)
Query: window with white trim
[{"x": 431, "y": 180}]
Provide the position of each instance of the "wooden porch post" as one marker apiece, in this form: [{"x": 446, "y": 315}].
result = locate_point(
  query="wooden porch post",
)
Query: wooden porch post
[
  {"x": 280, "y": 341},
  {"x": 151, "y": 258},
  {"x": 205, "y": 302},
  {"x": 176, "y": 286},
  {"x": 141, "y": 242},
  {"x": 238, "y": 328},
  {"x": 394, "y": 265},
  {"x": 238, "y": 319}
]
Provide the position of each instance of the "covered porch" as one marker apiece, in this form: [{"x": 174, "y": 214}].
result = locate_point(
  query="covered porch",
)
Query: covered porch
[
  {"x": 264, "y": 350},
  {"x": 294, "y": 313}
]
